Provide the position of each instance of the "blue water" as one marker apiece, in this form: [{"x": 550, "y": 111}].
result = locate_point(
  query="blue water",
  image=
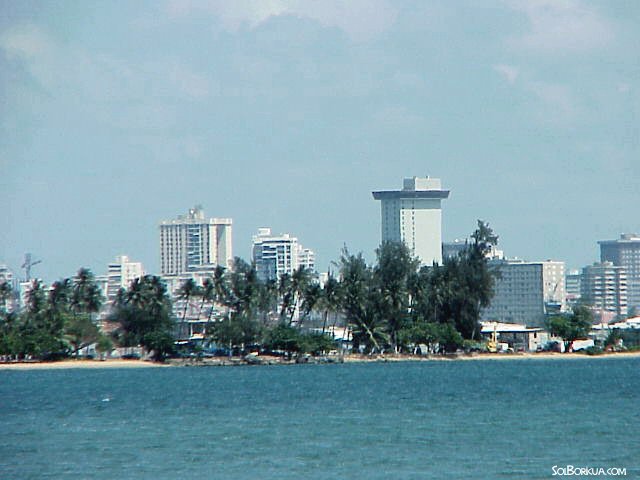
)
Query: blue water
[{"x": 485, "y": 419}]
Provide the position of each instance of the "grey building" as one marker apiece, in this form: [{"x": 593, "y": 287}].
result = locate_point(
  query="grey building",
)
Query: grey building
[
  {"x": 604, "y": 286},
  {"x": 526, "y": 291},
  {"x": 625, "y": 252}
]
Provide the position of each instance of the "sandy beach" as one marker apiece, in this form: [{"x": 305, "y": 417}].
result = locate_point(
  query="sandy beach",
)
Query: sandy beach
[
  {"x": 111, "y": 363},
  {"x": 225, "y": 361}
]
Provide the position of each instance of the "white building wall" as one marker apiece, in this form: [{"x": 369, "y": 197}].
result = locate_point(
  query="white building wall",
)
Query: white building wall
[
  {"x": 413, "y": 216},
  {"x": 120, "y": 274},
  {"x": 275, "y": 255},
  {"x": 193, "y": 243}
]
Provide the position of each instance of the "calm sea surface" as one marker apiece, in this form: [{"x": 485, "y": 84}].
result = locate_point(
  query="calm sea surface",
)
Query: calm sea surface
[{"x": 484, "y": 419}]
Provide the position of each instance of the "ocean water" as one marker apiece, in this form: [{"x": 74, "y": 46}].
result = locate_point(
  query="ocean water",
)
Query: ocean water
[{"x": 485, "y": 419}]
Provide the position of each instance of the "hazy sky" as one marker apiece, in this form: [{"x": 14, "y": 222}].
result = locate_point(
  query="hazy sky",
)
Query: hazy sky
[{"x": 284, "y": 113}]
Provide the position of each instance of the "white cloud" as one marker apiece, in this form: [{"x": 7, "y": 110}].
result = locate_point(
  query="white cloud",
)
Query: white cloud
[
  {"x": 562, "y": 26},
  {"x": 94, "y": 77},
  {"x": 509, "y": 72},
  {"x": 25, "y": 41},
  {"x": 360, "y": 19}
]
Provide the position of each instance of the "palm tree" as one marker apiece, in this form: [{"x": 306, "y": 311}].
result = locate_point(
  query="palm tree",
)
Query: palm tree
[
  {"x": 285, "y": 292},
  {"x": 358, "y": 299},
  {"x": 300, "y": 280},
  {"x": 61, "y": 294},
  {"x": 310, "y": 298},
  {"x": 330, "y": 299},
  {"x": 187, "y": 290},
  {"x": 392, "y": 276},
  {"x": 86, "y": 296},
  {"x": 207, "y": 294}
]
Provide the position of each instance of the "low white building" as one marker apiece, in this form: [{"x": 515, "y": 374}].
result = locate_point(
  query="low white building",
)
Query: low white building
[{"x": 519, "y": 337}]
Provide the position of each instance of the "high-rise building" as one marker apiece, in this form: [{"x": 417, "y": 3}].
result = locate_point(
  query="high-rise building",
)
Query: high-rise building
[
  {"x": 604, "y": 286},
  {"x": 275, "y": 255},
  {"x": 526, "y": 291},
  {"x": 573, "y": 282},
  {"x": 120, "y": 274},
  {"x": 193, "y": 243},
  {"x": 625, "y": 252},
  {"x": 6, "y": 275},
  {"x": 413, "y": 216}
]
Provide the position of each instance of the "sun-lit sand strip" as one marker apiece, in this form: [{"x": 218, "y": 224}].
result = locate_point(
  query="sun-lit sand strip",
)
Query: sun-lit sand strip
[
  {"x": 78, "y": 364},
  {"x": 222, "y": 361}
]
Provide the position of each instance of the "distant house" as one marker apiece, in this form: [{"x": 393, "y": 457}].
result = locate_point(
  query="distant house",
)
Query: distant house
[{"x": 519, "y": 337}]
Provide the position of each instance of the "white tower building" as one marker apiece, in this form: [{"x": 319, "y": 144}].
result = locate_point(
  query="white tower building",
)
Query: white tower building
[
  {"x": 192, "y": 243},
  {"x": 413, "y": 215},
  {"x": 120, "y": 274},
  {"x": 275, "y": 255}
]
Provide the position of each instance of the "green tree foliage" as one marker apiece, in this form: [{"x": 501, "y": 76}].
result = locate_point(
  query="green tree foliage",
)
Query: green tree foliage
[
  {"x": 236, "y": 332},
  {"x": 86, "y": 296},
  {"x": 104, "y": 345},
  {"x": 80, "y": 332},
  {"x": 392, "y": 277},
  {"x": 143, "y": 316},
  {"x": 571, "y": 326},
  {"x": 358, "y": 303},
  {"x": 289, "y": 339}
]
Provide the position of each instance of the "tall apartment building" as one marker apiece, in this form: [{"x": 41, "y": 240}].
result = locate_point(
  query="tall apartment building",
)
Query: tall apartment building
[
  {"x": 6, "y": 275},
  {"x": 526, "y": 291},
  {"x": 275, "y": 255},
  {"x": 120, "y": 274},
  {"x": 573, "y": 282},
  {"x": 625, "y": 252},
  {"x": 193, "y": 243},
  {"x": 604, "y": 286},
  {"x": 413, "y": 215}
]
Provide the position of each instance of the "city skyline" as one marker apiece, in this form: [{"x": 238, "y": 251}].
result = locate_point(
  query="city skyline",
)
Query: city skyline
[{"x": 115, "y": 117}]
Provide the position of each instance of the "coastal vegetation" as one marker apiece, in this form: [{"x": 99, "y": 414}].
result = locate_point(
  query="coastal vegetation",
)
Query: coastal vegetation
[{"x": 393, "y": 305}]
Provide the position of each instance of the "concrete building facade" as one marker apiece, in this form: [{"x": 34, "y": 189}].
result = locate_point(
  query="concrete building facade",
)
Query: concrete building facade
[
  {"x": 625, "y": 252},
  {"x": 413, "y": 216},
  {"x": 604, "y": 286},
  {"x": 526, "y": 291},
  {"x": 275, "y": 255},
  {"x": 193, "y": 243},
  {"x": 120, "y": 274}
]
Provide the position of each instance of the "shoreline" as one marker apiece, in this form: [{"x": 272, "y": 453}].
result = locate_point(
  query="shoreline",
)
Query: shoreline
[{"x": 270, "y": 360}]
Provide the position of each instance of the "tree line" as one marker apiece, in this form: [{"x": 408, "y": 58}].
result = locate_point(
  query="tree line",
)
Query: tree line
[
  {"x": 391, "y": 305},
  {"x": 54, "y": 322}
]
